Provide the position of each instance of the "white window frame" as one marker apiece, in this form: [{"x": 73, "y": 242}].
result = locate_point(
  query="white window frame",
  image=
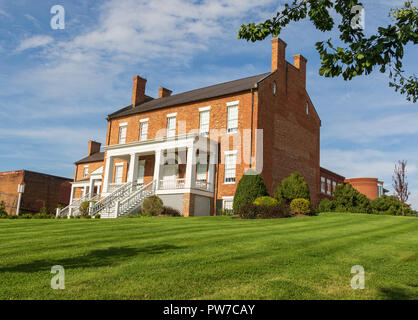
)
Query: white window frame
[
  {"x": 171, "y": 132},
  {"x": 228, "y": 199},
  {"x": 123, "y": 126},
  {"x": 204, "y": 127},
  {"x": 85, "y": 174},
  {"x": 142, "y": 123},
  {"x": 329, "y": 186},
  {"x": 119, "y": 166},
  {"x": 334, "y": 185},
  {"x": 323, "y": 183},
  {"x": 228, "y": 154},
  {"x": 232, "y": 124}
]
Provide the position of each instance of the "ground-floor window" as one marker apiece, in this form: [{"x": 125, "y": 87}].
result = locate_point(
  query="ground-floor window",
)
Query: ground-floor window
[
  {"x": 322, "y": 185},
  {"x": 227, "y": 203}
]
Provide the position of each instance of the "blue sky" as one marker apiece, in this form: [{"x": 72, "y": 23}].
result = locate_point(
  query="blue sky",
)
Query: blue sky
[{"x": 57, "y": 86}]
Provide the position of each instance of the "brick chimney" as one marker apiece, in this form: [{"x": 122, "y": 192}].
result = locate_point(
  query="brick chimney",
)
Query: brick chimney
[
  {"x": 94, "y": 147},
  {"x": 138, "y": 92},
  {"x": 163, "y": 92},
  {"x": 278, "y": 55},
  {"x": 299, "y": 62}
]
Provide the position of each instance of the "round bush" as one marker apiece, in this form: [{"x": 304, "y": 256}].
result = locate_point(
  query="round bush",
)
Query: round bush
[
  {"x": 152, "y": 206},
  {"x": 266, "y": 201},
  {"x": 292, "y": 187},
  {"x": 250, "y": 187},
  {"x": 325, "y": 205},
  {"x": 300, "y": 206}
]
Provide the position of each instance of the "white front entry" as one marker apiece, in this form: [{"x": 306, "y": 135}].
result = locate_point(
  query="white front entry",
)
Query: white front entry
[{"x": 170, "y": 172}]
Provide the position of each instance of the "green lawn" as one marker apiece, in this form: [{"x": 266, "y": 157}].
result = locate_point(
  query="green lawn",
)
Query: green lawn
[{"x": 211, "y": 258}]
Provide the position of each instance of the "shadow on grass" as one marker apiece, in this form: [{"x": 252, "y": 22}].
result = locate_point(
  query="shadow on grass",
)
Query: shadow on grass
[
  {"x": 93, "y": 259},
  {"x": 396, "y": 293}
]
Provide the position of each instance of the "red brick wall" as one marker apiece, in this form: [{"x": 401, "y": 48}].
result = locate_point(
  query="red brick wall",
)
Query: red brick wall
[
  {"x": 333, "y": 177},
  {"x": 80, "y": 169},
  {"x": 41, "y": 190},
  {"x": 291, "y": 137}
]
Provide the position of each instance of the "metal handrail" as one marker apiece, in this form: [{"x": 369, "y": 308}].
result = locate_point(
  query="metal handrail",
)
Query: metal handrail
[
  {"x": 109, "y": 200},
  {"x": 135, "y": 198}
]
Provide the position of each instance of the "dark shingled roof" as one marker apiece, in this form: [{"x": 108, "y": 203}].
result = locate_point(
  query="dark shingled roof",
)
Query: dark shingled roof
[
  {"x": 194, "y": 95},
  {"x": 95, "y": 157}
]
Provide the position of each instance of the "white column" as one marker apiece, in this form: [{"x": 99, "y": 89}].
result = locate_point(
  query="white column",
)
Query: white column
[
  {"x": 72, "y": 194},
  {"x": 157, "y": 168},
  {"x": 91, "y": 188},
  {"x": 108, "y": 174},
  {"x": 211, "y": 171},
  {"x": 190, "y": 168},
  {"x": 133, "y": 164}
]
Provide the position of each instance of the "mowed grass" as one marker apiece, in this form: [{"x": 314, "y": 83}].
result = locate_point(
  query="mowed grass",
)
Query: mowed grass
[{"x": 211, "y": 258}]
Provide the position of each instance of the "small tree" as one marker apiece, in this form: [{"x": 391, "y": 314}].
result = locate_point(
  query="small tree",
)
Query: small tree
[
  {"x": 250, "y": 187},
  {"x": 400, "y": 183},
  {"x": 292, "y": 187},
  {"x": 348, "y": 199},
  {"x": 152, "y": 206}
]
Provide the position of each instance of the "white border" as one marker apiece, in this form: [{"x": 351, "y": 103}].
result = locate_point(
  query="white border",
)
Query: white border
[
  {"x": 232, "y": 103},
  {"x": 123, "y": 124},
  {"x": 204, "y": 109},
  {"x": 172, "y": 115},
  {"x": 143, "y": 120}
]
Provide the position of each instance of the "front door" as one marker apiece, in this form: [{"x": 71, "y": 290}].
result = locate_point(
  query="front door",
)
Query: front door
[{"x": 170, "y": 176}]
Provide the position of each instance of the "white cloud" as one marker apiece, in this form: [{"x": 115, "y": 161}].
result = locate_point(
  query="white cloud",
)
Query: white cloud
[{"x": 34, "y": 42}]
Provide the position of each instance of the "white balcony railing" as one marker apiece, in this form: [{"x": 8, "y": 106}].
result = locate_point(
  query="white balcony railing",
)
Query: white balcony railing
[
  {"x": 114, "y": 186},
  {"x": 171, "y": 184},
  {"x": 202, "y": 184}
]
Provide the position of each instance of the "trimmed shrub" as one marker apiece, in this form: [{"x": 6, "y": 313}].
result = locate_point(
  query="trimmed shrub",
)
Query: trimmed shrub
[
  {"x": 225, "y": 212},
  {"x": 43, "y": 215},
  {"x": 300, "y": 206},
  {"x": 171, "y": 212},
  {"x": 325, "y": 205},
  {"x": 250, "y": 187},
  {"x": 12, "y": 216},
  {"x": 292, "y": 187},
  {"x": 348, "y": 199},
  {"x": 253, "y": 211},
  {"x": 266, "y": 201},
  {"x": 249, "y": 211},
  {"x": 26, "y": 216},
  {"x": 152, "y": 206},
  {"x": 84, "y": 208},
  {"x": 97, "y": 216},
  {"x": 390, "y": 205},
  {"x": 3, "y": 209}
]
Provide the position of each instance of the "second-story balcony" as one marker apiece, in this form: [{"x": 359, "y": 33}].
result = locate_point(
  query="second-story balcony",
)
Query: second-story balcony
[{"x": 180, "y": 164}]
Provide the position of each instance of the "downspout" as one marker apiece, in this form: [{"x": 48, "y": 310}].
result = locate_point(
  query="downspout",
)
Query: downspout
[{"x": 252, "y": 126}]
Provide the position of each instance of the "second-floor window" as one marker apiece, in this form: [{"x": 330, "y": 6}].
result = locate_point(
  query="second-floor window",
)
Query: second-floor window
[
  {"x": 230, "y": 167},
  {"x": 86, "y": 171},
  {"x": 204, "y": 122},
  {"x": 122, "y": 133},
  {"x": 232, "y": 125},
  {"x": 171, "y": 125},
  {"x": 143, "y": 130}
]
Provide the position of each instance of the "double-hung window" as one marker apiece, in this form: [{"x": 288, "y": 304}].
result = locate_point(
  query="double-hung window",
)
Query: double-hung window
[
  {"x": 230, "y": 166},
  {"x": 204, "y": 121},
  {"x": 86, "y": 171},
  {"x": 227, "y": 203},
  {"x": 329, "y": 186},
  {"x": 143, "y": 129},
  {"x": 322, "y": 185},
  {"x": 171, "y": 125},
  {"x": 232, "y": 122},
  {"x": 122, "y": 132}
]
